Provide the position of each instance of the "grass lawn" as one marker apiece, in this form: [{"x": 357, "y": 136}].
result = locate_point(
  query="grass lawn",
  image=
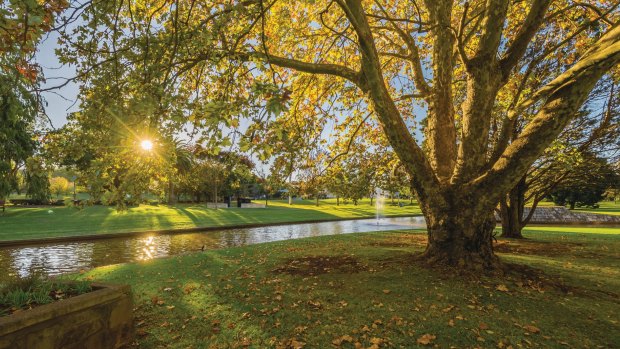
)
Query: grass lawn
[
  {"x": 365, "y": 291},
  {"x": 34, "y": 223},
  {"x": 605, "y": 207}
]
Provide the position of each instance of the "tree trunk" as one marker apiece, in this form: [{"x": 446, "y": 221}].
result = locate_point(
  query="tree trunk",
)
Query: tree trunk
[
  {"x": 512, "y": 209},
  {"x": 290, "y": 199},
  {"x": 337, "y": 200},
  {"x": 371, "y": 198},
  {"x": 511, "y": 225},
  {"x": 572, "y": 205},
  {"x": 460, "y": 236},
  {"x": 172, "y": 199},
  {"x": 317, "y": 200},
  {"x": 215, "y": 194}
]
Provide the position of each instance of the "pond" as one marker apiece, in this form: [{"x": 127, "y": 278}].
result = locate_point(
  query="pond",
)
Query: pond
[{"x": 64, "y": 257}]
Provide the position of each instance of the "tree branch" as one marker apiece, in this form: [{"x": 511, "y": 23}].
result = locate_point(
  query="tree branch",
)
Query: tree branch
[
  {"x": 564, "y": 96},
  {"x": 525, "y": 34},
  {"x": 307, "y": 67}
]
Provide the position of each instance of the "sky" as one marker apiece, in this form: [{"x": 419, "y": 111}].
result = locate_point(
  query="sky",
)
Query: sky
[{"x": 61, "y": 101}]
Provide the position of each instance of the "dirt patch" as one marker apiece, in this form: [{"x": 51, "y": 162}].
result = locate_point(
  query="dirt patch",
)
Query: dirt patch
[
  {"x": 317, "y": 265},
  {"x": 413, "y": 240},
  {"x": 527, "y": 277},
  {"x": 549, "y": 249}
]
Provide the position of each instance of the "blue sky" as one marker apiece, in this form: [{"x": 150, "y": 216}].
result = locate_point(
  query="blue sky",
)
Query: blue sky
[{"x": 62, "y": 101}]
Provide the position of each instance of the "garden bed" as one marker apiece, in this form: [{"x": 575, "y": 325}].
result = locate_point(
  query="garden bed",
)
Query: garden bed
[{"x": 101, "y": 318}]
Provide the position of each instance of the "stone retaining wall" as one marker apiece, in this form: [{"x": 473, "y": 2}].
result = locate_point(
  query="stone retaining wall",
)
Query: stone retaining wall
[
  {"x": 101, "y": 319},
  {"x": 561, "y": 215}
]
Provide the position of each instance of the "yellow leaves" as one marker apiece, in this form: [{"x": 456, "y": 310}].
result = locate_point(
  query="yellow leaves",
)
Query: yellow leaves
[
  {"x": 157, "y": 301},
  {"x": 448, "y": 309},
  {"x": 375, "y": 342},
  {"x": 531, "y": 328},
  {"x": 315, "y": 304},
  {"x": 501, "y": 288},
  {"x": 189, "y": 289},
  {"x": 426, "y": 339},
  {"x": 344, "y": 339},
  {"x": 291, "y": 343},
  {"x": 295, "y": 344}
]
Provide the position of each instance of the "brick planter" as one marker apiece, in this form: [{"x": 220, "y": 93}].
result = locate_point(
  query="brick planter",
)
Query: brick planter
[{"x": 99, "y": 319}]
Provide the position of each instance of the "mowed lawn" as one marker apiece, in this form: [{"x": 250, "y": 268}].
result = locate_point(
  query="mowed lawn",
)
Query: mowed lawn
[
  {"x": 367, "y": 291},
  {"x": 36, "y": 223},
  {"x": 605, "y": 207}
]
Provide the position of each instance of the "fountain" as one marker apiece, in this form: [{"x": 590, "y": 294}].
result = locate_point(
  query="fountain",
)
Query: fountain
[{"x": 378, "y": 204}]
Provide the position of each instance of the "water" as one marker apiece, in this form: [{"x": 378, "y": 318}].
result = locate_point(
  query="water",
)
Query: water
[{"x": 63, "y": 257}]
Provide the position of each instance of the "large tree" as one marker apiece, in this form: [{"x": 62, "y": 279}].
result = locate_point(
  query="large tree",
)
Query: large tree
[
  {"x": 22, "y": 24},
  {"x": 440, "y": 60}
]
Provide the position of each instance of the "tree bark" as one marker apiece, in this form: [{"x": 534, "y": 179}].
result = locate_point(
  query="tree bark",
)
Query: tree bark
[
  {"x": 461, "y": 236},
  {"x": 512, "y": 209},
  {"x": 172, "y": 199}
]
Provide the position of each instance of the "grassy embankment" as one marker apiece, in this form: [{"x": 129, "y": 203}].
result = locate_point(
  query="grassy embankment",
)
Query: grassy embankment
[
  {"x": 36, "y": 223},
  {"x": 366, "y": 291}
]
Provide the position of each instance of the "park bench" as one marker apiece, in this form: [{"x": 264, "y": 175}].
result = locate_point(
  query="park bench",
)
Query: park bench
[{"x": 20, "y": 202}]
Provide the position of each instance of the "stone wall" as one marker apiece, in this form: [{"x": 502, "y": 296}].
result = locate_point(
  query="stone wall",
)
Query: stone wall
[
  {"x": 101, "y": 319},
  {"x": 252, "y": 205},
  {"x": 561, "y": 215}
]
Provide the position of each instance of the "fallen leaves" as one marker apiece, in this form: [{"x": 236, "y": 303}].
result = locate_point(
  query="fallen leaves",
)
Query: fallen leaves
[
  {"x": 501, "y": 288},
  {"x": 343, "y": 339},
  {"x": 426, "y": 339},
  {"x": 531, "y": 329}
]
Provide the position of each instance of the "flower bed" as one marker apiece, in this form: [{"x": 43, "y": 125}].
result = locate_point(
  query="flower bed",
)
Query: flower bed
[{"x": 100, "y": 318}]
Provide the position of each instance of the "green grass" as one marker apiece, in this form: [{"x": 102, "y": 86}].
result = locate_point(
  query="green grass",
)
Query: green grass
[
  {"x": 360, "y": 290},
  {"x": 36, "y": 223},
  {"x": 605, "y": 207}
]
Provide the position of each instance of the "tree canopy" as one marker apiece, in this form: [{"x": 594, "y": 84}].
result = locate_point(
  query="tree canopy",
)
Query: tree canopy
[{"x": 445, "y": 81}]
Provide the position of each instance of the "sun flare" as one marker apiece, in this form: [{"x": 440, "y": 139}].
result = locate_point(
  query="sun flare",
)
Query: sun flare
[{"x": 146, "y": 145}]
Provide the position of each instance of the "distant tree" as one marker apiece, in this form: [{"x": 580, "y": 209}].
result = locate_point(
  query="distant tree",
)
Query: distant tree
[
  {"x": 22, "y": 25},
  {"x": 183, "y": 163},
  {"x": 37, "y": 179},
  {"x": 59, "y": 185},
  {"x": 595, "y": 130},
  {"x": 335, "y": 182},
  {"x": 586, "y": 185}
]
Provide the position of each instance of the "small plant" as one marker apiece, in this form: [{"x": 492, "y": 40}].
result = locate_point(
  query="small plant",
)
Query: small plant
[
  {"x": 82, "y": 287},
  {"x": 35, "y": 290},
  {"x": 17, "y": 299}
]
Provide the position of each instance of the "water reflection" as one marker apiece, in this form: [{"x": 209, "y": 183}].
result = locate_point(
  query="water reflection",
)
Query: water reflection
[{"x": 57, "y": 258}]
